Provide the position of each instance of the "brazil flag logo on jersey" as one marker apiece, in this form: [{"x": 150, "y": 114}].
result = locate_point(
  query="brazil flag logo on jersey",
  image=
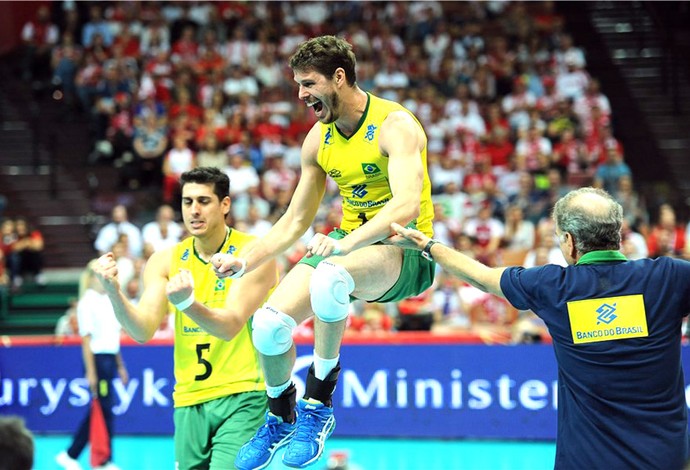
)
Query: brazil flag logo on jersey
[{"x": 371, "y": 169}]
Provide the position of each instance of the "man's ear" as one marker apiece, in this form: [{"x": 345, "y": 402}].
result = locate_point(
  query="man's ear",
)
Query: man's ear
[
  {"x": 570, "y": 243},
  {"x": 340, "y": 77}
]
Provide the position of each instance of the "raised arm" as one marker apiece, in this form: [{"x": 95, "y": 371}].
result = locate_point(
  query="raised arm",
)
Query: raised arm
[
  {"x": 463, "y": 267},
  {"x": 301, "y": 211},
  {"x": 142, "y": 320}
]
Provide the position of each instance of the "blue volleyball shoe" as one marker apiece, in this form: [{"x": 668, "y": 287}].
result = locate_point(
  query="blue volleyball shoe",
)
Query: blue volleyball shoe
[
  {"x": 315, "y": 423},
  {"x": 259, "y": 451}
]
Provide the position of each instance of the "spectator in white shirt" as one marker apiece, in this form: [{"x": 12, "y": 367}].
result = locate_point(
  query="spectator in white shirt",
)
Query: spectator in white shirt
[
  {"x": 256, "y": 224},
  {"x": 547, "y": 240},
  {"x": 177, "y": 160},
  {"x": 466, "y": 120},
  {"x": 239, "y": 82},
  {"x": 568, "y": 52},
  {"x": 110, "y": 233},
  {"x": 242, "y": 175},
  {"x": 164, "y": 231},
  {"x": 572, "y": 82}
]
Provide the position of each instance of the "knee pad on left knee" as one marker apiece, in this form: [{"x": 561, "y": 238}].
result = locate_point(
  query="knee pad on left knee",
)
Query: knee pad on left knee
[
  {"x": 272, "y": 331},
  {"x": 330, "y": 289}
]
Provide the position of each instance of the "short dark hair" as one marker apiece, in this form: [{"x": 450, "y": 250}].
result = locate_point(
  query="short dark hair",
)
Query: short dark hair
[
  {"x": 325, "y": 54},
  {"x": 208, "y": 175},
  {"x": 16, "y": 444}
]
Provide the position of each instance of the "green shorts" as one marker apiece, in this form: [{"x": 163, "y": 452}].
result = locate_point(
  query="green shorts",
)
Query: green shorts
[
  {"x": 210, "y": 434},
  {"x": 416, "y": 275}
]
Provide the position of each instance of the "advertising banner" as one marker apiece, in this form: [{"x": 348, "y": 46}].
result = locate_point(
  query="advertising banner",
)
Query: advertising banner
[{"x": 418, "y": 390}]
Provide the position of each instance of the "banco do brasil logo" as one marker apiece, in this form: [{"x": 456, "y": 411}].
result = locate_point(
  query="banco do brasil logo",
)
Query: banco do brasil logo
[{"x": 606, "y": 313}]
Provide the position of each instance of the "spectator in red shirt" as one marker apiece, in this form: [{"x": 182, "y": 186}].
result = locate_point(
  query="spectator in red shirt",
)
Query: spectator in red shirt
[
  {"x": 209, "y": 65},
  {"x": 265, "y": 128},
  {"x": 597, "y": 145},
  {"x": 184, "y": 104},
  {"x": 569, "y": 155},
  {"x": 477, "y": 182},
  {"x": 486, "y": 233},
  {"x": 667, "y": 238},
  {"x": 546, "y": 104},
  {"x": 128, "y": 42},
  {"x": 185, "y": 49},
  {"x": 26, "y": 258},
  {"x": 213, "y": 124},
  {"x": 495, "y": 118},
  {"x": 499, "y": 150},
  {"x": 301, "y": 122}
]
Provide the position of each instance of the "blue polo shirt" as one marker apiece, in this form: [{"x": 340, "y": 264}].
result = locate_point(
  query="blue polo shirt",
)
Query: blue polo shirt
[{"x": 616, "y": 328}]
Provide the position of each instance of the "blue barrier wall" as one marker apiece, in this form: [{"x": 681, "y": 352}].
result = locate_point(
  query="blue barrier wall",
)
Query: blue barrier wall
[{"x": 440, "y": 391}]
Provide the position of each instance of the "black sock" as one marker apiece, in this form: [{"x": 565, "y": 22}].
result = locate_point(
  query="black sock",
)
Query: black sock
[
  {"x": 322, "y": 390},
  {"x": 284, "y": 405}
]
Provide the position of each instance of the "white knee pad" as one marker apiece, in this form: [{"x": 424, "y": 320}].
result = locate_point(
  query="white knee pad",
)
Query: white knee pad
[
  {"x": 330, "y": 289},
  {"x": 272, "y": 331}
]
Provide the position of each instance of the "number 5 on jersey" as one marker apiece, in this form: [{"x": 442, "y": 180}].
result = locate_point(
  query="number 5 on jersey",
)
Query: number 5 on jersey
[{"x": 200, "y": 348}]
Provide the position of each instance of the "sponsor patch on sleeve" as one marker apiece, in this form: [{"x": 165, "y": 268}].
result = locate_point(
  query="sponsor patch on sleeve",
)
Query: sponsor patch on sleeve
[{"x": 607, "y": 319}]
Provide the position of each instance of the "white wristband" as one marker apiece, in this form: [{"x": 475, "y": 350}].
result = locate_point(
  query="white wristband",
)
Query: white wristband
[
  {"x": 240, "y": 273},
  {"x": 185, "y": 303},
  {"x": 336, "y": 248}
]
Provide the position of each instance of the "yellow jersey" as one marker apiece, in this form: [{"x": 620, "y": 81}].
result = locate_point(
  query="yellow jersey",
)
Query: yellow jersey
[
  {"x": 356, "y": 164},
  {"x": 207, "y": 367}
]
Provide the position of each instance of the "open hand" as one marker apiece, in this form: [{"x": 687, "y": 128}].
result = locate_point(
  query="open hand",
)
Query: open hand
[{"x": 407, "y": 238}]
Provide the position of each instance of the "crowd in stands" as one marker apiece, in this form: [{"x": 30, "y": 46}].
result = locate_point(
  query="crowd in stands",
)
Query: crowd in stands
[
  {"x": 21, "y": 253},
  {"x": 513, "y": 118}
]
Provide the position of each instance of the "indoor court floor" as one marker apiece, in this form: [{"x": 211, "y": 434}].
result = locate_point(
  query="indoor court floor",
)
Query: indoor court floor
[{"x": 156, "y": 453}]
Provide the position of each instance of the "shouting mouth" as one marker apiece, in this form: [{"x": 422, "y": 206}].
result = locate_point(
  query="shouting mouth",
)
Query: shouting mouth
[{"x": 316, "y": 105}]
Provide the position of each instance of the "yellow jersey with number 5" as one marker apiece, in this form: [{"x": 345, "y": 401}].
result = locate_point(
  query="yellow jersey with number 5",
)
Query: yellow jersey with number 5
[
  {"x": 359, "y": 168},
  {"x": 207, "y": 367}
]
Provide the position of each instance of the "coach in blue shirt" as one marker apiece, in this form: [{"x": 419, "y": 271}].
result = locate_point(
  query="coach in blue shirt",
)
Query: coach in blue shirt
[{"x": 616, "y": 328}]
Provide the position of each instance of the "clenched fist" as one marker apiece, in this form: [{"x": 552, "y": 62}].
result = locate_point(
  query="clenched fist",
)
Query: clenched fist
[
  {"x": 226, "y": 265},
  {"x": 105, "y": 269},
  {"x": 180, "y": 287}
]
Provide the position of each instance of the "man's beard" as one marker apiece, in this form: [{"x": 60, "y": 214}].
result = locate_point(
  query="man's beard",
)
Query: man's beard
[{"x": 332, "y": 104}]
